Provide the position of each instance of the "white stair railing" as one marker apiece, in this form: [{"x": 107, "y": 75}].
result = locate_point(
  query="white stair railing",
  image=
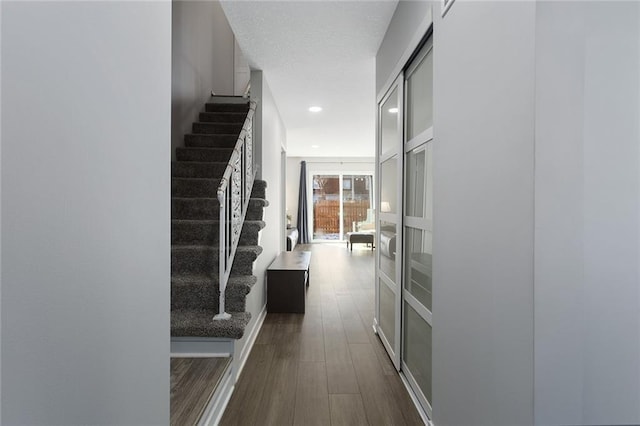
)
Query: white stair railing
[{"x": 234, "y": 193}]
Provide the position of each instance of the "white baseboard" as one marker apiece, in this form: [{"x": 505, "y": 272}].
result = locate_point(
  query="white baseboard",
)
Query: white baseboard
[
  {"x": 251, "y": 340},
  {"x": 218, "y": 402}
]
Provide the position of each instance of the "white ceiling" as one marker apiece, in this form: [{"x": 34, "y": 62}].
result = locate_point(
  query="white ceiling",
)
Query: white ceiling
[{"x": 317, "y": 53}]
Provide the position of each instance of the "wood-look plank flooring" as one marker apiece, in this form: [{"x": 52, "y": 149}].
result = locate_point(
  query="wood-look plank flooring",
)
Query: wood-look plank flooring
[
  {"x": 324, "y": 367},
  {"x": 193, "y": 381}
]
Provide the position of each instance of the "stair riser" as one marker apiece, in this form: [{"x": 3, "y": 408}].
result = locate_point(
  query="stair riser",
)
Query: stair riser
[
  {"x": 198, "y": 233},
  {"x": 202, "y": 296},
  {"x": 194, "y": 187},
  {"x": 259, "y": 191},
  {"x": 220, "y": 155},
  {"x": 206, "y": 262},
  {"x": 223, "y": 117},
  {"x": 240, "y": 107},
  {"x": 213, "y": 128},
  {"x": 210, "y": 141},
  {"x": 188, "y": 169},
  {"x": 209, "y": 209}
]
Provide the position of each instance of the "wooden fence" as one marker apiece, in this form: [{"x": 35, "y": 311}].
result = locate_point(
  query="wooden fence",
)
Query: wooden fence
[{"x": 326, "y": 215}]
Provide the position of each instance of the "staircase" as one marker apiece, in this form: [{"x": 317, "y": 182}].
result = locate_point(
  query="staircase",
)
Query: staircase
[{"x": 195, "y": 231}]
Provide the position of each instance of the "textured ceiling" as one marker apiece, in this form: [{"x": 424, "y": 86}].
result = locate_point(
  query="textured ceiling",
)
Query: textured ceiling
[{"x": 317, "y": 53}]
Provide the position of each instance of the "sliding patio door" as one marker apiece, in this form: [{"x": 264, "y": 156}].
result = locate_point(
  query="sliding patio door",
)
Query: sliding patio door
[{"x": 342, "y": 202}]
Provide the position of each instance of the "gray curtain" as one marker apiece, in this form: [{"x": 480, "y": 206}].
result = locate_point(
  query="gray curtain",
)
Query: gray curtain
[{"x": 303, "y": 215}]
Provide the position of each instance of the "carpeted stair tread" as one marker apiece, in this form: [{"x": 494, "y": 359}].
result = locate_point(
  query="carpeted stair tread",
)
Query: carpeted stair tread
[
  {"x": 230, "y": 107},
  {"x": 184, "y": 231},
  {"x": 209, "y": 208},
  {"x": 200, "y": 323},
  {"x": 207, "y": 155},
  {"x": 198, "y": 169},
  {"x": 213, "y": 128},
  {"x": 223, "y": 117},
  {"x": 211, "y": 141}
]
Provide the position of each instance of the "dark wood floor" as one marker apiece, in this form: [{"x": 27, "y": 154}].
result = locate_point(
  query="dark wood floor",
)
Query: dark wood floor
[
  {"x": 193, "y": 381},
  {"x": 324, "y": 367}
]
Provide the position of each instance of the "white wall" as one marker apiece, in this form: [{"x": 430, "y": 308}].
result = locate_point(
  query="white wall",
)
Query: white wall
[
  {"x": 320, "y": 164},
  {"x": 587, "y": 289},
  {"x": 408, "y": 25},
  {"x": 272, "y": 139},
  {"x": 203, "y": 55},
  {"x": 85, "y": 212},
  {"x": 483, "y": 214}
]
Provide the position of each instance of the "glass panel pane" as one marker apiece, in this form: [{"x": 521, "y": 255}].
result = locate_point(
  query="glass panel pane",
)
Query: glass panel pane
[
  {"x": 387, "y": 312},
  {"x": 420, "y": 98},
  {"x": 417, "y": 349},
  {"x": 389, "y": 185},
  {"x": 326, "y": 207},
  {"x": 416, "y": 181},
  {"x": 387, "y": 249},
  {"x": 356, "y": 201},
  {"x": 418, "y": 249},
  {"x": 389, "y": 131}
]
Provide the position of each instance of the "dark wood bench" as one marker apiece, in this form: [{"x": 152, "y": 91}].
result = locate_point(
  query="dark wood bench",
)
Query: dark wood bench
[{"x": 287, "y": 280}]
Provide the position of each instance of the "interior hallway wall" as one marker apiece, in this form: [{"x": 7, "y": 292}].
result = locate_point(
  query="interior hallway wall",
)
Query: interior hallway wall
[
  {"x": 483, "y": 156},
  {"x": 85, "y": 212},
  {"x": 203, "y": 57},
  {"x": 587, "y": 287},
  {"x": 271, "y": 140}
]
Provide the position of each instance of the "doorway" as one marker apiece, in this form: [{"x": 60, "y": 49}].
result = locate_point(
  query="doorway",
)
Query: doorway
[{"x": 342, "y": 202}]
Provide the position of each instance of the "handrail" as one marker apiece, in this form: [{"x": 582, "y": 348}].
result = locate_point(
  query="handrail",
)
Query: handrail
[{"x": 234, "y": 193}]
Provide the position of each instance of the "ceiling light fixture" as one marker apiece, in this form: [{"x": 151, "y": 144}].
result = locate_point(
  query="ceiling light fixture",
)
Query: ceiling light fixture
[
  {"x": 315, "y": 146},
  {"x": 315, "y": 109},
  {"x": 393, "y": 110}
]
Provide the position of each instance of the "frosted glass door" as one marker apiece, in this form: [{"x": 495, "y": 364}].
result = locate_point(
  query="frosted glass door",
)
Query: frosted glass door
[
  {"x": 417, "y": 283},
  {"x": 388, "y": 227}
]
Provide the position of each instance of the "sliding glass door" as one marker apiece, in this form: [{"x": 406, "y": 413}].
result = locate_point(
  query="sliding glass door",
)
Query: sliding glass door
[
  {"x": 389, "y": 238},
  {"x": 404, "y": 300},
  {"x": 417, "y": 302},
  {"x": 341, "y": 203}
]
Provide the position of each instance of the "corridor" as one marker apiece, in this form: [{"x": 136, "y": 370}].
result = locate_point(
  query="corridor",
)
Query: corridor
[{"x": 325, "y": 366}]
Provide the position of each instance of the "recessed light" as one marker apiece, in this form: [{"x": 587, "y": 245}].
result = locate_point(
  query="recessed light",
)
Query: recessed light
[
  {"x": 315, "y": 146},
  {"x": 315, "y": 109},
  {"x": 393, "y": 110}
]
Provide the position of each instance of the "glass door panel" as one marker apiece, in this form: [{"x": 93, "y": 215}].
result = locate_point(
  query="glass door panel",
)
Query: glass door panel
[
  {"x": 389, "y": 123},
  {"x": 417, "y": 265},
  {"x": 416, "y": 352},
  {"x": 389, "y": 186},
  {"x": 357, "y": 210},
  {"x": 416, "y": 164},
  {"x": 387, "y": 317},
  {"x": 326, "y": 207},
  {"x": 387, "y": 250},
  {"x": 419, "y": 88}
]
